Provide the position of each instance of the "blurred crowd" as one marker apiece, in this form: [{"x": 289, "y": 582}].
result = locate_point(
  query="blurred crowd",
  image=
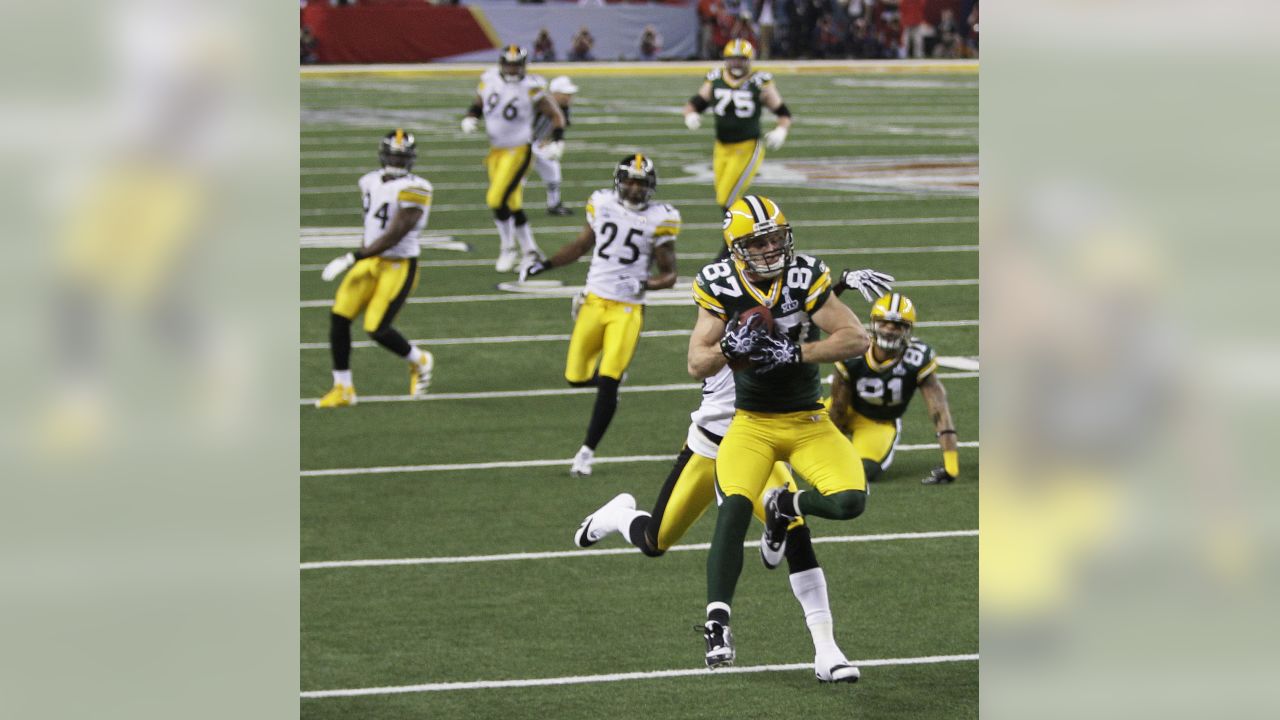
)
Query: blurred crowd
[{"x": 880, "y": 29}]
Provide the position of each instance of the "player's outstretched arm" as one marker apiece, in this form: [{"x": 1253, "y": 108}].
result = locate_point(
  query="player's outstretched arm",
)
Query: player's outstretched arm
[
  {"x": 935, "y": 398},
  {"x": 401, "y": 223},
  {"x": 693, "y": 109},
  {"x": 548, "y": 107},
  {"x": 565, "y": 255},
  {"x": 472, "y": 120},
  {"x": 846, "y": 337},
  {"x": 772, "y": 99},
  {"x": 705, "y": 356}
]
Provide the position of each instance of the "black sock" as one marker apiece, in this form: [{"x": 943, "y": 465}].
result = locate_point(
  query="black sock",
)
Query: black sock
[
  {"x": 340, "y": 341},
  {"x": 719, "y": 615},
  {"x": 800, "y": 555},
  {"x": 638, "y": 535},
  {"x": 602, "y": 414},
  {"x": 502, "y": 213},
  {"x": 520, "y": 217},
  {"x": 390, "y": 339}
]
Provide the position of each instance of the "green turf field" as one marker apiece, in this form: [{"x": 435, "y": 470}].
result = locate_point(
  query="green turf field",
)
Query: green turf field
[{"x": 500, "y": 596}]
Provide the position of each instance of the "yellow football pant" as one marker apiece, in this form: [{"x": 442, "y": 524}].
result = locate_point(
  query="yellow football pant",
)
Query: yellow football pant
[
  {"x": 379, "y": 287},
  {"x": 682, "y": 502},
  {"x": 734, "y": 165},
  {"x": 507, "y": 167},
  {"x": 606, "y": 332},
  {"x": 807, "y": 440},
  {"x": 875, "y": 440}
]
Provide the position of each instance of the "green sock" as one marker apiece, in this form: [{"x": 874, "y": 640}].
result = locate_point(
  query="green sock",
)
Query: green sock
[{"x": 724, "y": 563}]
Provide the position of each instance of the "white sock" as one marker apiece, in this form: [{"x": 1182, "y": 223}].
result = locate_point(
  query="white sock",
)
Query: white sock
[
  {"x": 553, "y": 194},
  {"x": 415, "y": 356},
  {"x": 342, "y": 377},
  {"x": 524, "y": 236},
  {"x": 505, "y": 234},
  {"x": 810, "y": 588}
]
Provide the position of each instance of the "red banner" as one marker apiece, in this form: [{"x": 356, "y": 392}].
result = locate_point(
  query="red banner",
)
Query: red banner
[{"x": 407, "y": 31}]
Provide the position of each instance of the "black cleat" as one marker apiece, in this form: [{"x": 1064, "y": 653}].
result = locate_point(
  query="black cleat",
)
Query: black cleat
[
  {"x": 559, "y": 210},
  {"x": 773, "y": 542},
  {"x": 719, "y": 639}
]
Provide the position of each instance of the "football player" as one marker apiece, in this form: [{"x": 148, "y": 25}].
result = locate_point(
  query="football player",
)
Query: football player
[
  {"x": 870, "y": 392},
  {"x": 507, "y": 98},
  {"x": 735, "y": 95},
  {"x": 629, "y": 232},
  {"x": 547, "y": 152},
  {"x": 689, "y": 490},
  {"x": 384, "y": 271},
  {"x": 778, "y": 411}
]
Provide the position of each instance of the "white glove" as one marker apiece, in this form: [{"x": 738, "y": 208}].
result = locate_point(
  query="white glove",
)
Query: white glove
[
  {"x": 630, "y": 285},
  {"x": 337, "y": 266},
  {"x": 579, "y": 298},
  {"x": 692, "y": 120},
  {"x": 469, "y": 124},
  {"x": 871, "y": 283},
  {"x": 553, "y": 150},
  {"x": 775, "y": 137}
]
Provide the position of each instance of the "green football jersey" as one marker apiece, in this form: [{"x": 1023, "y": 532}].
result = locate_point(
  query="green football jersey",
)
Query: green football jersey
[
  {"x": 881, "y": 391},
  {"x": 792, "y": 297},
  {"x": 737, "y": 107}
]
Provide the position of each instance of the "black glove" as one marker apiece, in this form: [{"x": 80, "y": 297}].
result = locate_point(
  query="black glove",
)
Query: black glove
[
  {"x": 535, "y": 267},
  {"x": 939, "y": 476},
  {"x": 740, "y": 339},
  {"x": 773, "y": 351}
]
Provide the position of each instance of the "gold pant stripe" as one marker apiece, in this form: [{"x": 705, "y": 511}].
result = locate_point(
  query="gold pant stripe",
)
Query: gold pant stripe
[
  {"x": 604, "y": 339},
  {"x": 734, "y": 165},
  {"x": 377, "y": 287},
  {"x": 682, "y": 502},
  {"x": 507, "y": 168}
]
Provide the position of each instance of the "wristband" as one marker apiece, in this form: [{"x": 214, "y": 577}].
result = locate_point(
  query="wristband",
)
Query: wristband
[
  {"x": 946, "y": 432},
  {"x": 476, "y": 110},
  {"x": 782, "y": 111},
  {"x": 698, "y": 103},
  {"x": 358, "y": 254},
  {"x": 557, "y": 134}
]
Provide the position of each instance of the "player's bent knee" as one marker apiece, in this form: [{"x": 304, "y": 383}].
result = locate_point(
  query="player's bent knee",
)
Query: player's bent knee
[{"x": 849, "y": 504}]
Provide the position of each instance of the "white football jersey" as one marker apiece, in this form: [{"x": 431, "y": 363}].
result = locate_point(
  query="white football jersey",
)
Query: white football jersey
[
  {"x": 383, "y": 196},
  {"x": 509, "y": 107},
  {"x": 625, "y": 240},
  {"x": 714, "y": 414}
]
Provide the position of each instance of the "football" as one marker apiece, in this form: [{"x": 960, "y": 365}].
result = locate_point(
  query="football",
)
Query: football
[
  {"x": 766, "y": 322},
  {"x": 766, "y": 317}
]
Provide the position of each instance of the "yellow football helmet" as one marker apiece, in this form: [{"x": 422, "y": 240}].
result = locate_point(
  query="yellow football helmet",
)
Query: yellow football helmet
[
  {"x": 737, "y": 58},
  {"x": 758, "y": 236},
  {"x": 511, "y": 63},
  {"x": 892, "y": 318}
]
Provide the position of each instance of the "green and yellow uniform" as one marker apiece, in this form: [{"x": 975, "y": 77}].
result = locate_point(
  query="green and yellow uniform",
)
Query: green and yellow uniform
[
  {"x": 880, "y": 393},
  {"x": 738, "y": 149}
]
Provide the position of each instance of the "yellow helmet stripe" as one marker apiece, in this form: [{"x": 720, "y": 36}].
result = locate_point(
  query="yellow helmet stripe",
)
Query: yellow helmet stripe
[
  {"x": 639, "y": 163},
  {"x": 400, "y": 137}
]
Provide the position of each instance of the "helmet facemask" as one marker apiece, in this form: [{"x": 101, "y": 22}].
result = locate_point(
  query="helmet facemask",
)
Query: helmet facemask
[
  {"x": 635, "y": 185},
  {"x": 765, "y": 252},
  {"x": 737, "y": 65},
  {"x": 891, "y": 335},
  {"x": 396, "y": 153},
  {"x": 511, "y": 71}
]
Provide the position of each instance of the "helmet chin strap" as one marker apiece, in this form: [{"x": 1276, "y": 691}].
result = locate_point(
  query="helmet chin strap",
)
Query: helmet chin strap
[{"x": 394, "y": 171}]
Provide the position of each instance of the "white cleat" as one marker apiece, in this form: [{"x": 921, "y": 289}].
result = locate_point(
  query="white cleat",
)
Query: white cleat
[
  {"x": 582, "y": 462},
  {"x": 603, "y": 521},
  {"x": 507, "y": 260},
  {"x": 834, "y": 668},
  {"x": 420, "y": 375}
]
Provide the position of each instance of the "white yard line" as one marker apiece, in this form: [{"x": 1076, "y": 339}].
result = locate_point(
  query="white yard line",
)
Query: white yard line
[
  {"x": 564, "y": 337},
  {"x": 459, "y": 467},
  {"x": 556, "y": 554},
  {"x": 657, "y": 298},
  {"x": 554, "y": 392},
  {"x": 622, "y": 677}
]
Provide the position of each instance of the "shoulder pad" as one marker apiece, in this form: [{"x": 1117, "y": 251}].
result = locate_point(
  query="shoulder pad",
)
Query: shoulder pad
[
  {"x": 761, "y": 78},
  {"x": 713, "y": 75}
]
